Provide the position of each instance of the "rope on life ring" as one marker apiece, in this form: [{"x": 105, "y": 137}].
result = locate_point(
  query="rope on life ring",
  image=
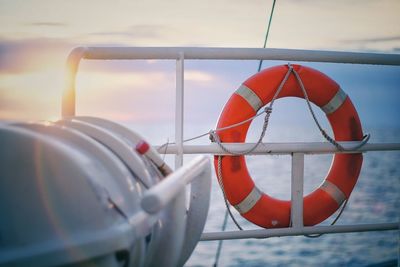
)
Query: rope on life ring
[{"x": 233, "y": 124}]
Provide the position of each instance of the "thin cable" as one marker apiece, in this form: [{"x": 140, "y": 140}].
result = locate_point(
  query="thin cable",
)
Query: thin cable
[
  {"x": 333, "y": 222},
  {"x": 228, "y": 208},
  {"x": 212, "y": 131},
  {"x": 268, "y": 110},
  {"x": 239, "y": 123},
  {"x": 266, "y": 35},
  {"x": 219, "y": 248},
  {"x": 166, "y": 147},
  {"x": 324, "y": 134},
  {"x": 215, "y": 138}
]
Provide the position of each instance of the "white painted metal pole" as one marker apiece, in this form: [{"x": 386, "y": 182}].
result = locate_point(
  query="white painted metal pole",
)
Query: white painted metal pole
[
  {"x": 104, "y": 53},
  {"x": 296, "y": 212},
  {"x": 176, "y": 53},
  {"x": 179, "y": 105},
  {"x": 68, "y": 98},
  {"x": 283, "y": 148},
  {"x": 330, "y": 229},
  {"x": 196, "y": 215},
  {"x": 157, "y": 197}
]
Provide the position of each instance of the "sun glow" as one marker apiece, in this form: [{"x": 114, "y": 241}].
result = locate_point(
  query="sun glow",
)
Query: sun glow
[
  {"x": 124, "y": 96},
  {"x": 34, "y": 47},
  {"x": 30, "y": 95}
]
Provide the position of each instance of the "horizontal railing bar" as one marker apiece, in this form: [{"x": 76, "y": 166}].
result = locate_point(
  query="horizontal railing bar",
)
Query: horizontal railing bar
[
  {"x": 158, "y": 196},
  {"x": 279, "y": 148},
  {"x": 310, "y": 230},
  {"x": 215, "y": 53},
  {"x": 210, "y": 53}
]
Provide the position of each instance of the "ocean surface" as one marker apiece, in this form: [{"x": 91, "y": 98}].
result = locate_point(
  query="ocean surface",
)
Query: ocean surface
[{"x": 376, "y": 198}]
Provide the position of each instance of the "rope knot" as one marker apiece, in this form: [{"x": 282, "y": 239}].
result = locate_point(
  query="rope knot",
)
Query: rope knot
[
  {"x": 212, "y": 136},
  {"x": 268, "y": 110}
]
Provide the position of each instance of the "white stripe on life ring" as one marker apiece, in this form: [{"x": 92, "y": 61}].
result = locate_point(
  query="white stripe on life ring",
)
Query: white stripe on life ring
[
  {"x": 251, "y": 97},
  {"x": 333, "y": 191},
  {"x": 249, "y": 202},
  {"x": 336, "y": 101}
]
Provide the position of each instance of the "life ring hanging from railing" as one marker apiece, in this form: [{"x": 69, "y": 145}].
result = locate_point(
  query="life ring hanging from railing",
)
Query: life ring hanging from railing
[{"x": 254, "y": 93}]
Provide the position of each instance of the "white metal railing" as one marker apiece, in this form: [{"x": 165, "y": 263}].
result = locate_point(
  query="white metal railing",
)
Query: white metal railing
[
  {"x": 281, "y": 148},
  {"x": 293, "y": 231},
  {"x": 181, "y": 53},
  {"x": 297, "y": 150},
  {"x": 160, "y": 195}
]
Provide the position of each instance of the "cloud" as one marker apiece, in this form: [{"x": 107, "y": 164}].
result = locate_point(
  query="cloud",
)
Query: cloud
[
  {"x": 7, "y": 102},
  {"x": 18, "y": 56},
  {"x": 33, "y": 54},
  {"x": 138, "y": 32},
  {"x": 198, "y": 76},
  {"x": 47, "y": 24},
  {"x": 29, "y": 54},
  {"x": 376, "y": 39},
  {"x": 385, "y": 44}
]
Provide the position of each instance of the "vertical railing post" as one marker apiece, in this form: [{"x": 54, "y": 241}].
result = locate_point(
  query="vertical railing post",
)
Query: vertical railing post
[
  {"x": 296, "y": 213},
  {"x": 68, "y": 97},
  {"x": 179, "y": 109}
]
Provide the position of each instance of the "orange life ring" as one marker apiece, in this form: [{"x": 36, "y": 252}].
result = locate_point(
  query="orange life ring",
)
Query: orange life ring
[{"x": 256, "y": 92}]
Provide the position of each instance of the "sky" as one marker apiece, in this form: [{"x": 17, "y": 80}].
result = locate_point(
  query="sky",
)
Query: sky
[{"x": 36, "y": 37}]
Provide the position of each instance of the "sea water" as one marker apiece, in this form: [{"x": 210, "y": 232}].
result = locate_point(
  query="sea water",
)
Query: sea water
[{"x": 375, "y": 199}]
